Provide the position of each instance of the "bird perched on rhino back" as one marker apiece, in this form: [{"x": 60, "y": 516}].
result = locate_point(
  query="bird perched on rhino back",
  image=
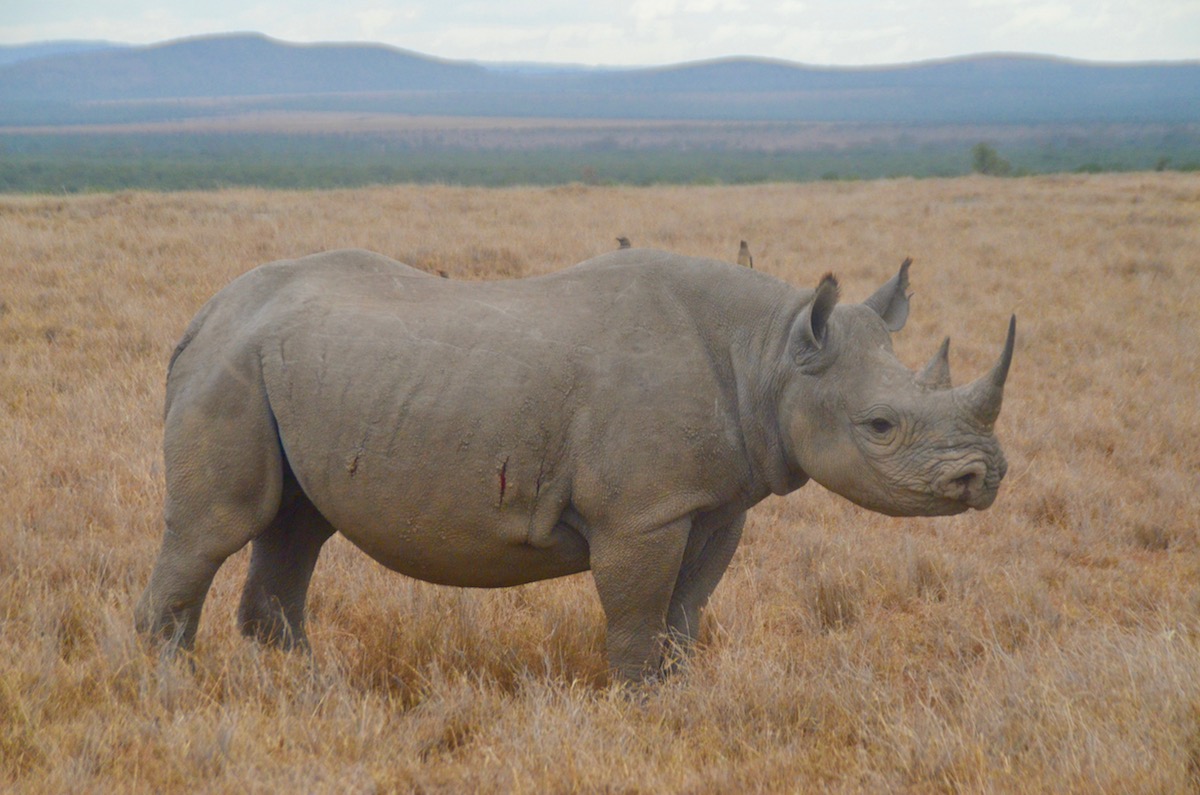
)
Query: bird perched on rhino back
[
  {"x": 623, "y": 242},
  {"x": 744, "y": 257}
]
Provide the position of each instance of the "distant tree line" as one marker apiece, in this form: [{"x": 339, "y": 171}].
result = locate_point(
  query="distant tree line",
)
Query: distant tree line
[{"x": 80, "y": 163}]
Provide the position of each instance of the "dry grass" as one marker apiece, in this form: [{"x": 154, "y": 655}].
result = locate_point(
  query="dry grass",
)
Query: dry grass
[{"x": 1050, "y": 644}]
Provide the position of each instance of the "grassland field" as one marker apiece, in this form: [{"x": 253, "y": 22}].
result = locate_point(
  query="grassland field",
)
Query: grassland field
[{"x": 1049, "y": 644}]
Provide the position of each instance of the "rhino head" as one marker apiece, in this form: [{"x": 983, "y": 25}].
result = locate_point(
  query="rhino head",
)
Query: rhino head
[{"x": 863, "y": 425}]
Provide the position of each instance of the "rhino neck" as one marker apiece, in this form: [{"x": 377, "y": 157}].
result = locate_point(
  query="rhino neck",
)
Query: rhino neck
[
  {"x": 760, "y": 382},
  {"x": 740, "y": 318}
]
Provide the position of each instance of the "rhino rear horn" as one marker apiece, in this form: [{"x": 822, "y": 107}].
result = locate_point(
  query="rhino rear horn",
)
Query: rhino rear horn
[
  {"x": 985, "y": 394},
  {"x": 936, "y": 374},
  {"x": 890, "y": 301}
]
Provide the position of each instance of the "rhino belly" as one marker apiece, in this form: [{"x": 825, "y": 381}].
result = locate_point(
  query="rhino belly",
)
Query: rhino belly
[
  {"x": 443, "y": 518},
  {"x": 470, "y": 557}
]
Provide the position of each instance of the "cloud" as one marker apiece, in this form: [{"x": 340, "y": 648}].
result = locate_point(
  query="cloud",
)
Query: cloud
[
  {"x": 379, "y": 21},
  {"x": 648, "y": 11},
  {"x": 590, "y": 43},
  {"x": 715, "y": 6},
  {"x": 1038, "y": 17}
]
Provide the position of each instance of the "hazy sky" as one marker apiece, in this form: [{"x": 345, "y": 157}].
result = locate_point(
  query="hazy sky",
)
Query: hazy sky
[{"x": 834, "y": 32}]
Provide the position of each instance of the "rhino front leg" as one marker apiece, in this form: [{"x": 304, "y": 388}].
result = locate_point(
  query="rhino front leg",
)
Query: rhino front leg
[
  {"x": 635, "y": 569},
  {"x": 282, "y": 560},
  {"x": 714, "y": 539}
]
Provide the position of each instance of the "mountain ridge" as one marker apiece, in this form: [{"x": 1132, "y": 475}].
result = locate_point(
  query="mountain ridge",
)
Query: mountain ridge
[
  {"x": 15, "y": 53},
  {"x": 198, "y": 75}
]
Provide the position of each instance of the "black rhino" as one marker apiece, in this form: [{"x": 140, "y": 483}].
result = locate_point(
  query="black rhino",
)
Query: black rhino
[{"x": 620, "y": 416}]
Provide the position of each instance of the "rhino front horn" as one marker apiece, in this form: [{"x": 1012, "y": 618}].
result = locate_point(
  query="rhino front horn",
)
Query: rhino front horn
[{"x": 984, "y": 395}]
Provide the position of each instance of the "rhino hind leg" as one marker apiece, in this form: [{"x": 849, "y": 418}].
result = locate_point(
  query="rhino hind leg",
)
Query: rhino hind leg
[
  {"x": 282, "y": 560},
  {"x": 192, "y": 552},
  {"x": 224, "y": 472},
  {"x": 169, "y": 609}
]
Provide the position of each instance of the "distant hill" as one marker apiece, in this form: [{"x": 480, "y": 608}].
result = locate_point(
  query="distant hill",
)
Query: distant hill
[
  {"x": 222, "y": 74},
  {"x": 14, "y": 53},
  {"x": 232, "y": 66}
]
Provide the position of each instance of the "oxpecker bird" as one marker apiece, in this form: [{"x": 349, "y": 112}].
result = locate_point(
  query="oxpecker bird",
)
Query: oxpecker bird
[{"x": 744, "y": 257}]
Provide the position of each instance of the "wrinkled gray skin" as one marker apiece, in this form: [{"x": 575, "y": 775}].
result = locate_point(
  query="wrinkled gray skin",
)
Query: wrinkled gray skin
[{"x": 619, "y": 416}]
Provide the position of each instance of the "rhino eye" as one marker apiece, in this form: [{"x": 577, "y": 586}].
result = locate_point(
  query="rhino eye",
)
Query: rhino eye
[{"x": 881, "y": 426}]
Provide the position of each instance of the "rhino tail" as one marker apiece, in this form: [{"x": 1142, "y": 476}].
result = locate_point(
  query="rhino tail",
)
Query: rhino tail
[
  {"x": 183, "y": 343},
  {"x": 189, "y": 334}
]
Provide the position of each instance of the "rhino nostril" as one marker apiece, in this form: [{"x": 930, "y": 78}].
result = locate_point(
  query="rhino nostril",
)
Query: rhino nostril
[
  {"x": 965, "y": 481},
  {"x": 966, "y": 484}
]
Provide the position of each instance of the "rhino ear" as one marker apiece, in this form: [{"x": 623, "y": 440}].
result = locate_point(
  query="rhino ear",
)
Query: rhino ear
[
  {"x": 890, "y": 301},
  {"x": 808, "y": 332}
]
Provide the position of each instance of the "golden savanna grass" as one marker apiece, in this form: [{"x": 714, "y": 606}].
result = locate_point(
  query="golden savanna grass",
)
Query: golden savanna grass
[{"x": 1050, "y": 644}]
